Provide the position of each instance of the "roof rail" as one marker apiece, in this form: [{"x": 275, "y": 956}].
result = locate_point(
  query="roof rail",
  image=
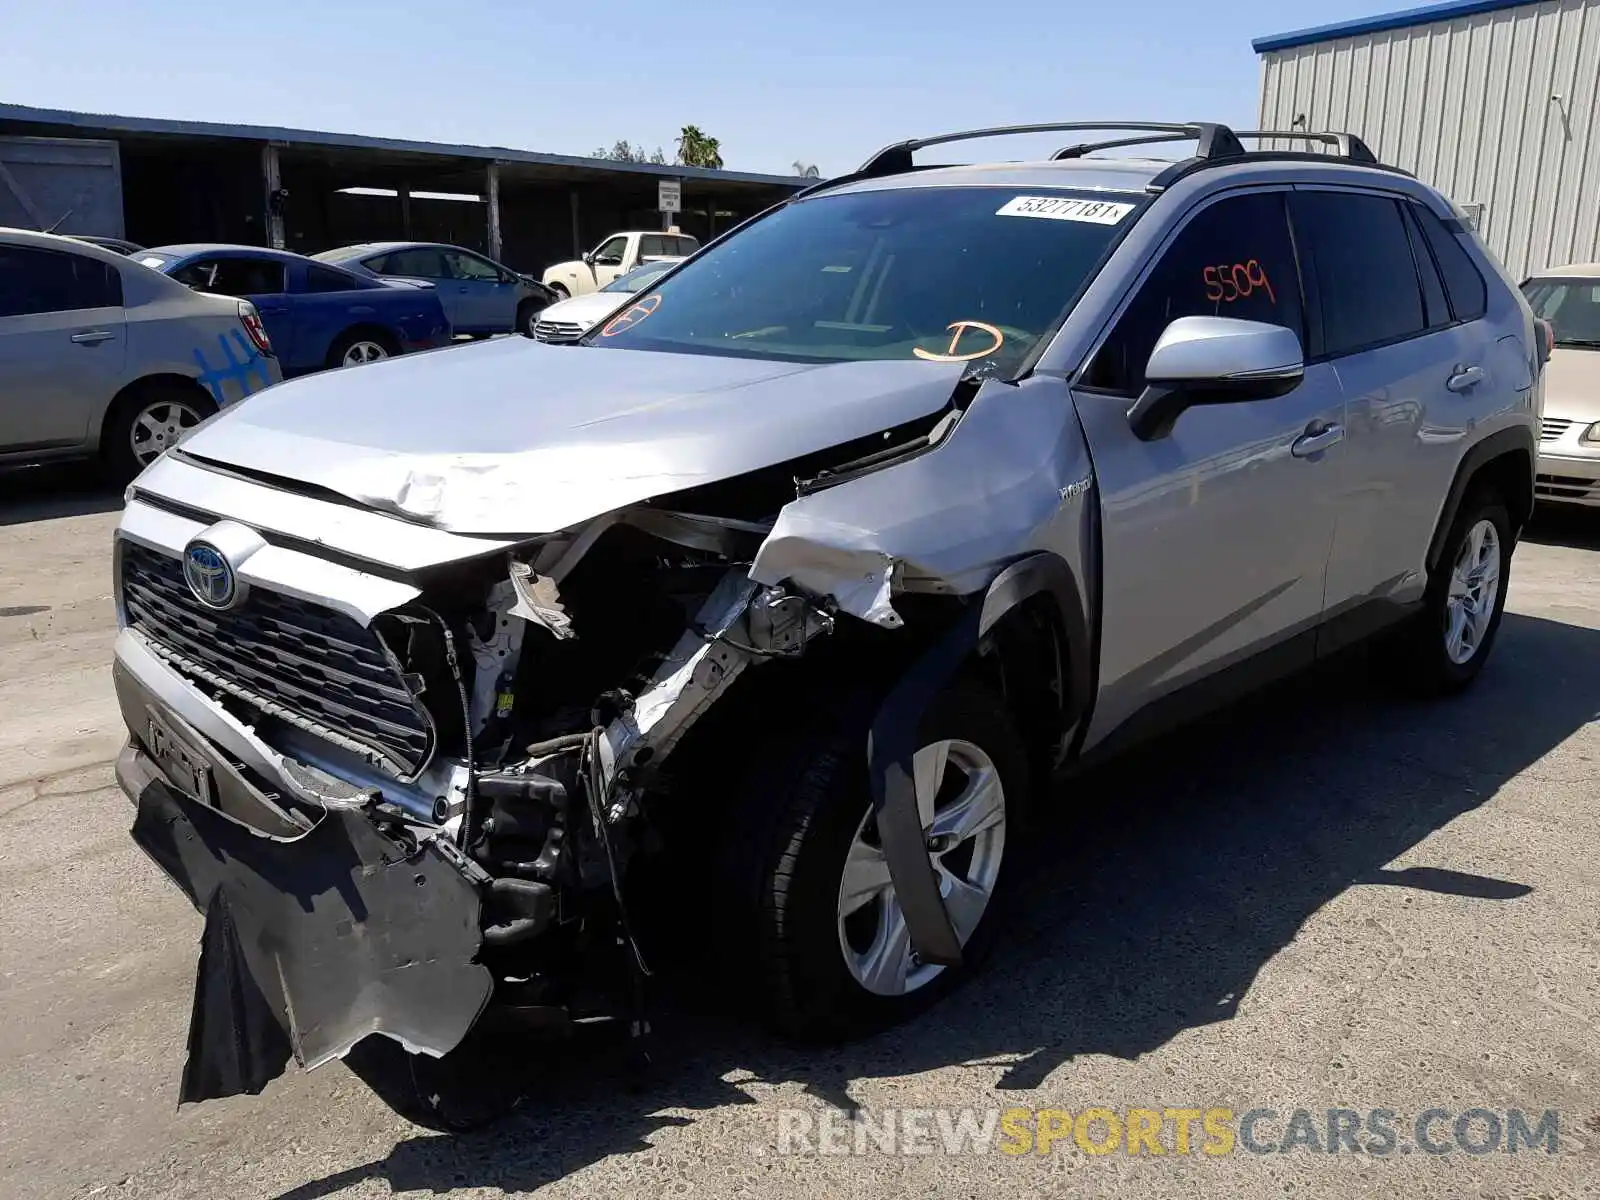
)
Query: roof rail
[
  {"x": 1347, "y": 145},
  {"x": 1214, "y": 141},
  {"x": 1083, "y": 148}
]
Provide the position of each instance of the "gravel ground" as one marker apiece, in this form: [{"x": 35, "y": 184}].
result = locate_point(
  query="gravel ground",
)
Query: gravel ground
[{"x": 1329, "y": 898}]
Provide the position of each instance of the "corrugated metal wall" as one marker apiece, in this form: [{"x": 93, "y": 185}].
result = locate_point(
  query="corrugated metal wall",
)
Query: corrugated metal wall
[{"x": 1471, "y": 106}]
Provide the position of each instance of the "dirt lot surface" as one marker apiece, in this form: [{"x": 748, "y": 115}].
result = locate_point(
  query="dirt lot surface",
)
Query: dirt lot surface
[{"x": 1329, "y": 899}]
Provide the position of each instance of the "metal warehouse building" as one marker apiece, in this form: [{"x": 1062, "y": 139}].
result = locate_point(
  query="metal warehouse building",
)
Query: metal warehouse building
[
  {"x": 159, "y": 181},
  {"x": 1494, "y": 102}
]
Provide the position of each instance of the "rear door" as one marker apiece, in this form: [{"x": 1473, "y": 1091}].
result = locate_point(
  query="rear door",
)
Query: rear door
[
  {"x": 1215, "y": 538},
  {"x": 1415, "y": 368},
  {"x": 63, "y": 345}
]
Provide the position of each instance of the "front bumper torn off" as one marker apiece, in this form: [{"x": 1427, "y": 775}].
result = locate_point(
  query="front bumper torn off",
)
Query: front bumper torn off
[{"x": 311, "y": 942}]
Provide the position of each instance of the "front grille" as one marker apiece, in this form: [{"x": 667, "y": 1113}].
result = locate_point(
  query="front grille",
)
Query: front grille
[
  {"x": 557, "y": 331},
  {"x": 1567, "y": 487},
  {"x": 1554, "y": 427},
  {"x": 294, "y": 660}
]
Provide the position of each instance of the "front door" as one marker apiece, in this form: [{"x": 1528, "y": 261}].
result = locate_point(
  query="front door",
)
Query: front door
[
  {"x": 1215, "y": 538},
  {"x": 487, "y": 297},
  {"x": 608, "y": 260},
  {"x": 63, "y": 346}
]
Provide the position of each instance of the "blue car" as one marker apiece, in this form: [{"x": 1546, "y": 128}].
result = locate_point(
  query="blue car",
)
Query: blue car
[
  {"x": 317, "y": 315},
  {"x": 480, "y": 296}
]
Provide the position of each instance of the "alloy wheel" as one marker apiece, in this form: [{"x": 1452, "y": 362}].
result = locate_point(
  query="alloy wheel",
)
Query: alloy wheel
[
  {"x": 1474, "y": 588},
  {"x": 158, "y": 427},
  {"x": 961, "y": 800},
  {"x": 363, "y": 352}
]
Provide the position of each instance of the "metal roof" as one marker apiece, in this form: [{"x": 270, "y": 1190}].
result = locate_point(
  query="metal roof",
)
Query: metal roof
[
  {"x": 1426, "y": 15},
  {"x": 162, "y": 126}
]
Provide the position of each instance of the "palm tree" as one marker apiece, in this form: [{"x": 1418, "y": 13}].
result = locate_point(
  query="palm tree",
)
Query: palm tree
[{"x": 695, "y": 149}]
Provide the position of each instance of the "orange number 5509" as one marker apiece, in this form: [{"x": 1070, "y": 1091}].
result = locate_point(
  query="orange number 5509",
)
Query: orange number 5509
[{"x": 1229, "y": 281}]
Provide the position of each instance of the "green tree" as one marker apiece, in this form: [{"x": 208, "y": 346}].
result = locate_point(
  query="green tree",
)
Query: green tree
[
  {"x": 696, "y": 149},
  {"x": 629, "y": 153}
]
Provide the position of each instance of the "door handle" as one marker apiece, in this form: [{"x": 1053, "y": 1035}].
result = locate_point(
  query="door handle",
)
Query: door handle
[
  {"x": 1316, "y": 439},
  {"x": 93, "y": 337},
  {"x": 1464, "y": 378}
]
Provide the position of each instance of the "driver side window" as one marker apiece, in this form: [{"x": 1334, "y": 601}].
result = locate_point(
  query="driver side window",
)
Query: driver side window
[
  {"x": 611, "y": 252},
  {"x": 1234, "y": 258}
]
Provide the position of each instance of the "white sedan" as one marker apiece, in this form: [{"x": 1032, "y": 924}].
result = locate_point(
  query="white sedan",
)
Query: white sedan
[{"x": 569, "y": 320}]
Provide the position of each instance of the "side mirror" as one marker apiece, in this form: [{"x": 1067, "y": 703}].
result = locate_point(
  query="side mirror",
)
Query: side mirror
[
  {"x": 588, "y": 257},
  {"x": 1214, "y": 360}
]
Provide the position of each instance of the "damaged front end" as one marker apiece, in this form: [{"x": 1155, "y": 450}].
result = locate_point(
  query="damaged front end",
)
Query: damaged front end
[{"x": 425, "y": 825}]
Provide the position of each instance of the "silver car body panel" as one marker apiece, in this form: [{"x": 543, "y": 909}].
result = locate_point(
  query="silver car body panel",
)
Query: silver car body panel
[
  {"x": 61, "y": 371},
  {"x": 558, "y": 436}
]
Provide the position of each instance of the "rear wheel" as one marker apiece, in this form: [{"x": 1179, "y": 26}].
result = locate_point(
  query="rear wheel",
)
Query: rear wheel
[
  {"x": 358, "y": 347},
  {"x": 148, "y": 422},
  {"x": 1443, "y": 648},
  {"x": 527, "y": 317}
]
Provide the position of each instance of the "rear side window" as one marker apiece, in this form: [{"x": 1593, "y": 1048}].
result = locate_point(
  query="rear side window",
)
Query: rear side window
[
  {"x": 1469, "y": 295},
  {"x": 1435, "y": 305},
  {"x": 685, "y": 246},
  {"x": 46, "y": 281},
  {"x": 233, "y": 276},
  {"x": 653, "y": 247},
  {"x": 324, "y": 279},
  {"x": 1366, "y": 281},
  {"x": 1233, "y": 259}
]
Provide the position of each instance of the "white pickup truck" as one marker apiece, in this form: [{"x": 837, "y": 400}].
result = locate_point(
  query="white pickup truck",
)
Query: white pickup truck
[{"x": 614, "y": 256}]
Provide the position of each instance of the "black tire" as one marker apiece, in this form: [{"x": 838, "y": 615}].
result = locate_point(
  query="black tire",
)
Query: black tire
[
  {"x": 473, "y": 1086},
  {"x": 1421, "y": 662},
  {"x": 354, "y": 337},
  {"x": 120, "y": 447},
  {"x": 527, "y": 314},
  {"x": 797, "y": 820}
]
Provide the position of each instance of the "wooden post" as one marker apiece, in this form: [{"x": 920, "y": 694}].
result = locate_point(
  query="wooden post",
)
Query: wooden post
[
  {"x": 273, "y": 179},
  {"x": 494, "y": 211}
]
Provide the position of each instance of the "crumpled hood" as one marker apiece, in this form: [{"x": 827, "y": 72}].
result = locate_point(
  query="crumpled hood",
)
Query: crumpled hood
[
  {"x": 513, "y": 436},
  {"x": 1572, "y": 384}
]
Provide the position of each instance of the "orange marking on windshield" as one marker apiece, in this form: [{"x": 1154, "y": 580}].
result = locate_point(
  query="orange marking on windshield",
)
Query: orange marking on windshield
[
  {"x": 957, "y": 328},
  {"x": 631, "y": 316}
]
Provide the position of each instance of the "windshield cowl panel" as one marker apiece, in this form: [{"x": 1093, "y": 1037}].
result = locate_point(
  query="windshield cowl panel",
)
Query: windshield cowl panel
[{"x": 977, "y": 275}]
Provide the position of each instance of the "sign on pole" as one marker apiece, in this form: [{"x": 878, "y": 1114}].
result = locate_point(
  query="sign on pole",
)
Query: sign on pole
[{"x": 669, "y": 195}]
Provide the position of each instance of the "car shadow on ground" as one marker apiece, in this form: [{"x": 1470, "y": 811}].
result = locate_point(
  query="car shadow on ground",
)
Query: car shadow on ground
[
  {"x": 1564, "y": 525},
  {"x": 42, "y": 493},
  {"x": 1154, "y": 893}
]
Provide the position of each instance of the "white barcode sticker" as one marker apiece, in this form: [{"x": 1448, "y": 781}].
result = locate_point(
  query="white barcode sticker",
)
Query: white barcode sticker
[{"x": 1062, "y": 208}]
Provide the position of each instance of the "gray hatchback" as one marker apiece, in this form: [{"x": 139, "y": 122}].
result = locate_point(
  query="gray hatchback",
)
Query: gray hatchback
[{"x": 99, "y": 354}]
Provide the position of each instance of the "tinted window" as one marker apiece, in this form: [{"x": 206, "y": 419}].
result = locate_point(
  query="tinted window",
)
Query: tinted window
[
  {"x": 43, "y": 281},
  {"x": 1435, "y": 306},
  {"x": 232, "y": 276},
  {"x": 685, "y": 246},
  {"x": 1469, "y": 295},
  {"x": 1233, "y": 259},
  {"x": 1367, "y": 289},
  {"x": 420, "y": 263},
  {"x": 948, "y": 273},
  {"x": 470, "y": 266},
  {"x": 653, "y": 247},
  {"x": 325, "y": 279},
  {"x": 1572, "y": 306}
]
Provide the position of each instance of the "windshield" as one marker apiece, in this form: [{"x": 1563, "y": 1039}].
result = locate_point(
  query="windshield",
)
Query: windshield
[
  {"x": 951, "y": 274},
  {"x": 640, "y": 277},
  {"x": 1572, "y": 306}
]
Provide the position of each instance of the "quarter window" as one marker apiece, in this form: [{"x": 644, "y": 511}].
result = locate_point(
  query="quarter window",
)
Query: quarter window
[
  {"x": 1436, "y": 307},
  {"x": 325, "y": 279},
  {"x": 1233, "y": 259},
  {"x": 1469, "y": 295},
  {"x": 44, "y": 281},
  {"x": 1367, "y": 288}
]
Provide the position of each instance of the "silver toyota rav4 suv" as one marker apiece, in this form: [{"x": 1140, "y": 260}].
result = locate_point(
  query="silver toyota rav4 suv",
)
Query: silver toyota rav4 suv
[{"x": 461, "y": 687}]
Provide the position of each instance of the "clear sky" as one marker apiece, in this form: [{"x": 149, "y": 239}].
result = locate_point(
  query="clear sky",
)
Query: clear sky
[{"x": 823, "y": 81}]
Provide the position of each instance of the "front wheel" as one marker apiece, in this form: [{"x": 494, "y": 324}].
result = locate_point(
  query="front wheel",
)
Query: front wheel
[
  {"x": 528, "y": 318},
  {"x": 1443, "y": 648},
  {"x": 836, "y": 953}
]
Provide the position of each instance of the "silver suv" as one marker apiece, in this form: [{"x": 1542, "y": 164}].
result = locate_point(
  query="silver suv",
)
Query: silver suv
[{"x": 456, "y": 684}]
